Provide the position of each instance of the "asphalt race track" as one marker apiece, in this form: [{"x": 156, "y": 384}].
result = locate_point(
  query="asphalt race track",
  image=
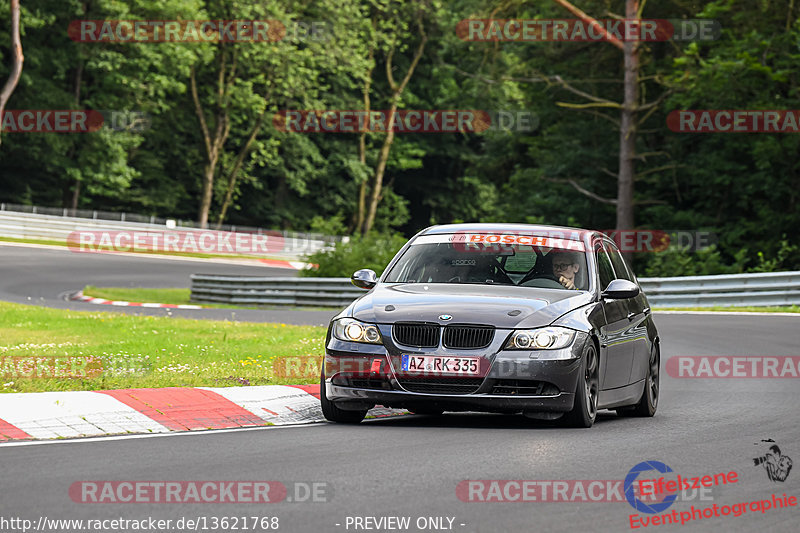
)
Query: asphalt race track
[
  {"x": 46, "y": 276},
  {"x": 410, "y": 466}
]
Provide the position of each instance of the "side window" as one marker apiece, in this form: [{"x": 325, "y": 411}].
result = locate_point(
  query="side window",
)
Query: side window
[
  {"x": 619, "y": 264},
  {"x": 604, "y": 268}
]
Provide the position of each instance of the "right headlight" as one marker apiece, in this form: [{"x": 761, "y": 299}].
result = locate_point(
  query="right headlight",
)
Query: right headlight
[
  {"x": 349, "y": 329},
  {"x": 549, "y": 338}
]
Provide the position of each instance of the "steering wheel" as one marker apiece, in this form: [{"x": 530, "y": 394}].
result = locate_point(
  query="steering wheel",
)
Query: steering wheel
[{"x": 544, "y": 281}]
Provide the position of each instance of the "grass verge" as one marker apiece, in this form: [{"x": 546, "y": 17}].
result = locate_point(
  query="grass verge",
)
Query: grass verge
[
  {"x": 161, "y": 296},
  {"x": 144, "y": 351}
]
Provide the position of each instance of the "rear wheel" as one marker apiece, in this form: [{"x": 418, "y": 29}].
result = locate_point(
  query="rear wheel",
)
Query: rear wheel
[
  {"x": 649, "y": 401},
  {"x": 584, "y": 410},
  {"x": 333, "y": 413}
]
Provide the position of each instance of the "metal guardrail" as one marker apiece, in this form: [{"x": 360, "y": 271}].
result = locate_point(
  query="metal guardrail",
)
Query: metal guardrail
[
  {"x": 735, "y": 290},
  {"x": 249, "y": 290},
  {"x": 58, "y": 227},
  {"x": 776, "y": 288}
]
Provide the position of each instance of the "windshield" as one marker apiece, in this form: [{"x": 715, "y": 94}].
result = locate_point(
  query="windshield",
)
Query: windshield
[{"x": 450, "y": 259}]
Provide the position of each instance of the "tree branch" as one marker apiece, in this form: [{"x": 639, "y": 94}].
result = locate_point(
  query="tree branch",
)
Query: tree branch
[
  {"x": 583, "y": 191},
  {"x": 199, "y": 110},
  {"x": 589, "y": 20}
]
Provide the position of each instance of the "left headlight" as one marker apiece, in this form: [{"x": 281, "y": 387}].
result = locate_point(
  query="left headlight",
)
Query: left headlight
[
  {"x": 349, "y": 329},
  {"x": 551, "y": 338}
]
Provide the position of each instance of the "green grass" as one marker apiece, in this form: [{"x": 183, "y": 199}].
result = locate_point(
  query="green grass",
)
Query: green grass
[
  {"x": 775, "y": 309},
  {"x": 144, "y": 351}
]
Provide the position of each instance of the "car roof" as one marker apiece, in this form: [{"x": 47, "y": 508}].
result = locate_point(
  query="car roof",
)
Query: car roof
[{"x": 491, "y": 227}]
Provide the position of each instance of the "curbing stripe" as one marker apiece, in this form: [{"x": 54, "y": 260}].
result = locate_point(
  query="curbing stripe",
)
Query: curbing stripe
[
  {"x": 52, "y": 415},
  {"x": 79, "y": 297},
  {"x": 181, "y": 409},
  {"x": 9, "y": 432},
  {"x": 275, "y": 404}
]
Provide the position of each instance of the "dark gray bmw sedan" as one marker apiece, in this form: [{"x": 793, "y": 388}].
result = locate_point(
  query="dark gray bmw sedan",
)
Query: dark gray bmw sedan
[{"x": 545, "y": 321}]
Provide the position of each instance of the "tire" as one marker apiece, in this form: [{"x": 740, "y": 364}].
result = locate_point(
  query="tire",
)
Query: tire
[
  {"x": 648, "y": 403},
  {"x": 584, "y": 410},
  {"x": 333, "y": 413}
]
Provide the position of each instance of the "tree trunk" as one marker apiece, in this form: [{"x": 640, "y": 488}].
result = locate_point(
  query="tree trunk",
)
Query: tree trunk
[
  {"x": 76, "y": 194},
  {"x": 76, "y": 92},
  {"x": 18, "y": 59},
  {"x": 237, "y": 166},
  {"x": 397, "y": 91},
  {"x": 377, "y": 184},
  {"x": 213, "y": 143},
  {"x": 362, "y": 148},
  {"x": 627, "y": 138}
]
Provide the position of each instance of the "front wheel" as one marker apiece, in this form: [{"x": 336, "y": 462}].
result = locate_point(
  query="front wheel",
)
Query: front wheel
[
  {"x": 584, "y": 410},
  {"x": 649, "y": 401},
  {"x": 333, "y": 413}
]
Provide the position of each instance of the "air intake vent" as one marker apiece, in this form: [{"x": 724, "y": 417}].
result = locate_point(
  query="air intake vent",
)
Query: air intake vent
[
  {"x": 441, "y": 385},
  {"x": 524, "y": 387},
  {"x": 468, "y": 337},
  {"x": 419, "y": 335}
]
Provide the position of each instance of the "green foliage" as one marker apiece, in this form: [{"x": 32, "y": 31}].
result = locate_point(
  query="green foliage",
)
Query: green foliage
[
  {"x": 373, "y": 251},
  {"x": 743, "y": 187},
  {"x": 781, "y": 260},
  {"x": 677, "y": 261}
]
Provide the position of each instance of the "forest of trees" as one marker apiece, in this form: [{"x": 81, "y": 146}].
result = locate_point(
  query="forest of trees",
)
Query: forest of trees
[{"x": 211, "y": 151}]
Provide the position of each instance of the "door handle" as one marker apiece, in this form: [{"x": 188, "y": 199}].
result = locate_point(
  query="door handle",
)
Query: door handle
[
  {"x": 646, "y": 310},
  {"x": 631, "y": 315}
]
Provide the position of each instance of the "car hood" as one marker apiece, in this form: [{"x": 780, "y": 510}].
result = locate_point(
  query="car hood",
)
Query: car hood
[{"x": 496, "y": 305}]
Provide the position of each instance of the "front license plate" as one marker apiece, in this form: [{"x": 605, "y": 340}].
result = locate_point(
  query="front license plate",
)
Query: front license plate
[{"x": 436, "y": 364}]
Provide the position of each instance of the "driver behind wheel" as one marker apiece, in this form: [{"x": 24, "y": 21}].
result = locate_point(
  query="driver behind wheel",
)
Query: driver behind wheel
[{"x": 565, "y": 268}]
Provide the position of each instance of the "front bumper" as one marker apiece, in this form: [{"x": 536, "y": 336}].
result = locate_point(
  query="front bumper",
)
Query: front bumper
[{"x": 511, "y": 381}]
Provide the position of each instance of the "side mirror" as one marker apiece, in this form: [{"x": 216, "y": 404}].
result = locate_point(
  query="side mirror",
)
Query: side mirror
[
  {"x": 364, "y": 278},
  {"x": 620, "y": 289}
]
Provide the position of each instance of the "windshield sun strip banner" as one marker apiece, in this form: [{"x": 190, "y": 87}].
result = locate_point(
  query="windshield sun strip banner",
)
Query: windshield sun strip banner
[{"x": 510, "y": 239}]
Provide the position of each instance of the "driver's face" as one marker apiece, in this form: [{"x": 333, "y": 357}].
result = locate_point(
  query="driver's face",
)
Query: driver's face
[{"x": 565, "y": 265}]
